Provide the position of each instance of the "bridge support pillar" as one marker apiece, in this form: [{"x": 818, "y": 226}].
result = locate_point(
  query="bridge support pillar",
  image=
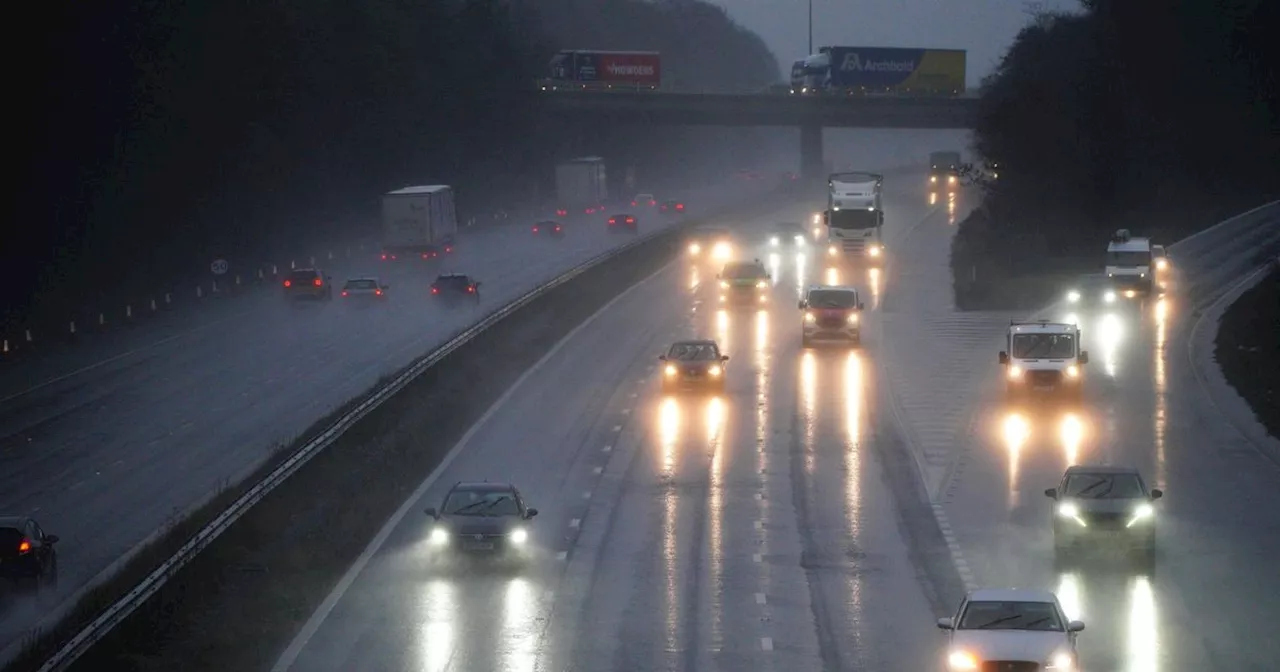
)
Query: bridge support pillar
[{"x": 812, "y": 166}]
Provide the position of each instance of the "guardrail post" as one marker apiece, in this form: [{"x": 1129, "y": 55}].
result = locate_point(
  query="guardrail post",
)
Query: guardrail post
[
  {"x": 6, "y": 348},
  {"x": 237, "y": 280},
  {"x": 199, "y": 292},
  {"x": 261, "y": 275},
  {"x": 167, "y": 299},
  {"x": 330, "y": 255},
  {"x": 102, "y": 320},
  {"x": 293, "y": 265},
  {"x": 27, "y": 334},
  {"x": 275, "y": 270},
  {"x": 73, "y": 328},
  {"x": 313, "y": 262},
  {"x": 128, "y": 311}
]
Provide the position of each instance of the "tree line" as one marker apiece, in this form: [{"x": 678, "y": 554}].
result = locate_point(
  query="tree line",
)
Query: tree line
[
  {"x": 157, "y": 133},
  {"x": 1154, "y": 116}
]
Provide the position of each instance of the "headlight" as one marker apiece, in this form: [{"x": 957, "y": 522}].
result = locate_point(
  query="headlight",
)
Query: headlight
[
  {"x": 1060, "y": 661},
  {"x": 1073, "y": 296},
  {"x": 670, "y": 370},
  {"x": 817, "y": 218},
  {"x": 1073, "y": 371},
  {"x": 874, "y": 250},
  {"x": 695, "y": 248},
  {"x": 773, "y": 241},
  {"x": 933, "y": 179},
  {"x": 724, "y": 285},
  {"x": 951, "y": 179},
  {"x": 715, "y": 371},
  {"x": 961, "y": 660},
  {"x": 1143, "y": 512},
  {"x": 761, "y": 284},
  {"x": 439, "y": 536},
  {"x": 831, "y": 250},
  {"x": 1109, "y": 297},
  {"x": 1161, "y": 264},
  {"x": 1129, "y": 293},
  {"x": 853, "y": 319},
  {"x": 519, "y": 536},
  {"x": 1015, "y": 372},
  {"x": 799, "y": 239},
  {"x": 808, "y": 317},
  {"x": 1070, "y": 510}
]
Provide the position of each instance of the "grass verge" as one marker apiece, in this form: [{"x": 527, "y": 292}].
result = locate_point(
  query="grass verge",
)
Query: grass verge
[
  {"x": 1248, "y": 349},
  {"x": 238, "y": 603}
]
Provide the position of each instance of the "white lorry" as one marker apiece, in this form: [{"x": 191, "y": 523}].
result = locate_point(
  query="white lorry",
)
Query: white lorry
[
  {"x": 582, "y": 186},
  {"x": 1043, "y": 357},
  {"x": 1129, "y": 263},
  {"x": 418, "y": 222},
  {"x": 854, "y": 218}
]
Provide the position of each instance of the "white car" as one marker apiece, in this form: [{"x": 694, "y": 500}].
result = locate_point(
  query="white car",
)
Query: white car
[{"x": 1011, "y": 629}]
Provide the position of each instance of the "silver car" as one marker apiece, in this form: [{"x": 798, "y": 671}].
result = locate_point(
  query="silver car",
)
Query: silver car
[{"x": 1012, "y": 630}]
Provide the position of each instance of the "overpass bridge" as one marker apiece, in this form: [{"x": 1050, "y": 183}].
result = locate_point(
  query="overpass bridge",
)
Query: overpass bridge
[{"x": 810, "y": 114}]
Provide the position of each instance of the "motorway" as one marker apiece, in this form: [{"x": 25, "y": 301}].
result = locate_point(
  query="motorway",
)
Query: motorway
[
  {"x": 755, "y": 530},
  {"x": 106, "y": 444},
  {"x": 765, "y": 529}
]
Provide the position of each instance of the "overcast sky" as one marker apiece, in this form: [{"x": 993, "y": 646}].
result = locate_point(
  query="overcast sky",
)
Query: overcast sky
[{"x": 984, "y": 28}]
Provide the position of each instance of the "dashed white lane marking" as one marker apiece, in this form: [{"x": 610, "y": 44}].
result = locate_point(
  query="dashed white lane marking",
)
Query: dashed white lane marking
[
  {"x": 766, "y": 643},
  {"x": 953, "y": 544},
  {"x": 756, "y": 557},
  {"x": 562, "y": 555},
  {"x": 598, "y": 470},
  {"x": 606, "y": 449},
  {"x": 586, "y": 495},
  {"x": 631, "y": 396},
  {"x": 576, "y": 522},
  {"x": 759, "y": 496},
  {"x": 617, "y": 428},
  {"x": 626, "y": 411},
  {"x": 759, "y": 598},
  {"x": 759, "y": 524}
]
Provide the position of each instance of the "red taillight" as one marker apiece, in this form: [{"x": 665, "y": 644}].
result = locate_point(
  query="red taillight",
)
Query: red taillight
[
  {"x": 384, "y": 256},
  {"x": 448, "y": 249},
  {"x": 377, "y": 292},
  {"x": 288, "y": 283},
  {"x": 535, "y": 229},
  {"x": 631, "y": 220},
  {"x": 318, "y": 282},
  {"x": 435, "y": 290},
  {"x": 557, "y": 229},
  {"x": 562, "y": 212},
  {"x": 470, "y": 288},
  {"x": 24, "y": 546},
  {"x": 344, "y": 292},
  {"x": 591, "y": 211},
  {"x": 633, "y": 202},
  {"x": 680, "y": 206}
]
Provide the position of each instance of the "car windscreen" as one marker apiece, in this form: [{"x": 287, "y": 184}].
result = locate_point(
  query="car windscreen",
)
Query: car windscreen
[
  {"x": 831, "y": 298},
  {"x": 693, "y": 352},
  {"x": 1041, "y": 616},
  {"x": 1103, "y": 486},
  {"x": 1129, "y": 258},
  {"x": 361, "y": 284},
  {"x": 481, "y": 503},
  {"x": 1044, "y": 346},
  {"x": 742, "y": 272}
]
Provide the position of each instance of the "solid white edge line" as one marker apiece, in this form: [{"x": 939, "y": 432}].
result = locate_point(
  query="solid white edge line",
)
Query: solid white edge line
[{"x": 309, "y": 629}]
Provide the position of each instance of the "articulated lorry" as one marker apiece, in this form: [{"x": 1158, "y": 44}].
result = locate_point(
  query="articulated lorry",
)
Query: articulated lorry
[
  {"x": 854, "y": 217},
  {"x": 881, "y": 71},
  {"x": 418, "y": 222},
  {"x": 582, "y": 186},
  {"x": 591, "y": 69}
]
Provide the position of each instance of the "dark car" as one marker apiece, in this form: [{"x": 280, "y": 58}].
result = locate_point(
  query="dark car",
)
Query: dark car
[
  {"x": 28, "y": 557},
  {"x": 1091, "y": 291},
  {"x": 487, "y": 518},
  {"x": 455, "y": 286},
  {"x": 831, "y": 312},
  {"x": 744, "y": 283},
  {"x": 548, "y": 228},
  {"x": 711, "y": 242},
  {"x": 623, "y": 222},
  {"x": 364, "y": 289},
  {"x": 693, "y": 365},
  {"x": 307, "y": 284},
  {"x": 1104, "y": 509},
  {"x": 788, "y": 235},
  {"x": 672, "y": 208}
]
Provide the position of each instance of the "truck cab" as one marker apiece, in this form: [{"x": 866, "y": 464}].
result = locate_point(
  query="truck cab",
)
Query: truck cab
[
  {"x": 1129, "y": 264},
  {"x": 944, "y": 170},
  {"x": 854, "y": 218},
  {"x": 1043, "y": 357}
]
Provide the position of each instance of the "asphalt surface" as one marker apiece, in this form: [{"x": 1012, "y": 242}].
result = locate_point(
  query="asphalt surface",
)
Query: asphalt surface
[
  {"x": 1207, "y": 604},
  {"x": 108, "y": 442},
  {"x": 753, "y": 530}
]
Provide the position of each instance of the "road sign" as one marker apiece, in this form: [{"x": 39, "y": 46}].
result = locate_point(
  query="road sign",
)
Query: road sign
[{"x": 219, "y": 266}]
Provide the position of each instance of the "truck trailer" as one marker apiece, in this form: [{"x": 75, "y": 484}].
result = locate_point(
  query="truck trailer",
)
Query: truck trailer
[
  {"x": 884, "y": 71},
  {"x": 590, "y": 69},
  {"x": 582, "y": 186},
  {"x": 418, "y": 222},
  {"x": 854, "y": 217}
]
